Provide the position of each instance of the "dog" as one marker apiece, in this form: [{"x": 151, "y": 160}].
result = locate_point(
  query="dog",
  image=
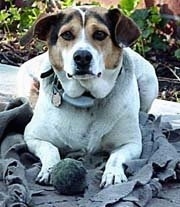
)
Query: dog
[{"x": 92, "y": 87}]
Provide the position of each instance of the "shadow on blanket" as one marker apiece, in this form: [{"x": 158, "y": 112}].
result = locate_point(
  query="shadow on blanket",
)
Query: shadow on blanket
[{"x": 149, "y": 177}]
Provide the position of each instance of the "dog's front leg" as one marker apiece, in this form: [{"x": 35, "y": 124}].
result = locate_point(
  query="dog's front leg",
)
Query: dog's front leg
[
  {"x": 48, "y": 155},
  {"x": 114, "y": 171}
]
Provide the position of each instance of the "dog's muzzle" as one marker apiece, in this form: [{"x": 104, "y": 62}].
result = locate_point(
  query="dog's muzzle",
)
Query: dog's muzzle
[
  {"x": 58, "y": 94},
  {"x": 84, "y": 101},
  {"x": 82, "y": 59}
]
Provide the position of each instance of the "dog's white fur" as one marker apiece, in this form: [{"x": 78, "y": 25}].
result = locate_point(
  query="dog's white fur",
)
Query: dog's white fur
[{"x": 111, "y": 125}]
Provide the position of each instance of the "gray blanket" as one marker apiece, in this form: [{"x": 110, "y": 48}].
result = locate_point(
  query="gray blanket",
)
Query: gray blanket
[{"x": 153, "y": 179}]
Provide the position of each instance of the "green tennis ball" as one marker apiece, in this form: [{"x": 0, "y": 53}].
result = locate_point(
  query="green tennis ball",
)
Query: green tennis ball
[{"x": 69, "y": 177}]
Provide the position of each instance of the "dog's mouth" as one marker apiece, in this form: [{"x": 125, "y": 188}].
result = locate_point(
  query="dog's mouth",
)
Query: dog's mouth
[
  {"x": 85, "y": 100},
  {"x": 84, "y": 76},
  {"x": 88, "y": 94}
]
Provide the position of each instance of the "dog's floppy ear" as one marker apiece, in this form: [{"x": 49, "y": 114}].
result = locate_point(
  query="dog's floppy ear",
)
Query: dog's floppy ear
[
  {"x": 40, "y": 28},
  {"x": 126, "y": 32}
]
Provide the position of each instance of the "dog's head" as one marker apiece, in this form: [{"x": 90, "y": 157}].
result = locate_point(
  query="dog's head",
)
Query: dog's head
[{"x": 85, "y": 42}]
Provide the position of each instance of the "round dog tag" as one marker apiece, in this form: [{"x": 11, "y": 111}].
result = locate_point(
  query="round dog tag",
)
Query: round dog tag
[{"x": 56, "y": 99}]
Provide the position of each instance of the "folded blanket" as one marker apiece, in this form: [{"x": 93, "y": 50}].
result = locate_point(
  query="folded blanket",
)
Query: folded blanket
[{"x": 152, "y": 179}]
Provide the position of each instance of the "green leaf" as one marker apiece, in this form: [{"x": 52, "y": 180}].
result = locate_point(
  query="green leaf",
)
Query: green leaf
[
  {"x": 128, "y": 6},
  {"x": 147, "y": 32},
  {"x": 28, "y": 16},
  {"x": 177, "y": 53},
  {"x": 3, "y": 16},
  {"x": 147, "y": 48},
  {"x": 140, "y": 16},
  {"x": 154, "y": 15},
  {"x": 67, "y": 3},
  {"x": 158, "y": 42}
]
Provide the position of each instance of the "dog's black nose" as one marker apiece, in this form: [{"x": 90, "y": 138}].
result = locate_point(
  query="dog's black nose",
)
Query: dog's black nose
[{"x": 82, "y": 59}]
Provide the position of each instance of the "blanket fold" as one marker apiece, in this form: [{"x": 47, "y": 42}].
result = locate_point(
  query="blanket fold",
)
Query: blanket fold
[
  {"x": 12, "y": 172},
  {"x": 15, "y": 117},
  {"x": 149, "y": 177}
]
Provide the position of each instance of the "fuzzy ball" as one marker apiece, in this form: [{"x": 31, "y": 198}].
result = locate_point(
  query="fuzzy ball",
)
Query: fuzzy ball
[{"x": 69, "y": 177}]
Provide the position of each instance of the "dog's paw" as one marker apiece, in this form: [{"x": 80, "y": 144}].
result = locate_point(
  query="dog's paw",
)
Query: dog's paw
[
  {"x": 44, "y": 176},
  {"x": 112, "y": 177}
]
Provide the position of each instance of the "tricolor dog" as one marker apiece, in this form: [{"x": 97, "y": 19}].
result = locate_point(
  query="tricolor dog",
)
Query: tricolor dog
[{"x": 92, "y": 86}]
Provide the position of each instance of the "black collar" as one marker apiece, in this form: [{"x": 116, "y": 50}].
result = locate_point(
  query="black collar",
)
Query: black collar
[{"x": 47, "y": 73}]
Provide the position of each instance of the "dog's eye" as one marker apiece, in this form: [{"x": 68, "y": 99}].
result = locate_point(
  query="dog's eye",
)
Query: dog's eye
[
  {"x": 67, "y": 36},
  {"x": 99, "y": 35}
]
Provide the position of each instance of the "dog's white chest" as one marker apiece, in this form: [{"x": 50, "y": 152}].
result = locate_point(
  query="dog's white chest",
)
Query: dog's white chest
[
  {"x": 71, "y": 128},
  {"x": 76, "y": 130}
]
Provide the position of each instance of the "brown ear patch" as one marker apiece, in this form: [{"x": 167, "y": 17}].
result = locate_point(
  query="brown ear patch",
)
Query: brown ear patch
[{"x": 126, "y": 32}]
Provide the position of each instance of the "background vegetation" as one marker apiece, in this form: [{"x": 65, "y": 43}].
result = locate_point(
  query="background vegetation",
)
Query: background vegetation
[{"x": 16, "y": 20}]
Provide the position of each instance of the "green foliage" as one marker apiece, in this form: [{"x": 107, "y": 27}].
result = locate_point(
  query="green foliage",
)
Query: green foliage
[
  {"x": 16, "y": 19},
  {"x": 27, "y": 17},
  {"x": 177, "y": 54},
  {"x": 67, "y": 3},
  {"x": 150, "y": 23},
  {"x": 128, "y": 6}
]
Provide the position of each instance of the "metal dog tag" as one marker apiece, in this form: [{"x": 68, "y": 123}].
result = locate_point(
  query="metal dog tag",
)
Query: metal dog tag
[{"x": 56, "y": 99}]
